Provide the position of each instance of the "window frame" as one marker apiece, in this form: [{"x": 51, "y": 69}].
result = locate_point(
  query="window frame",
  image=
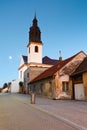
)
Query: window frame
[
  {"x": 65, "y": 86},
  {"x": 36, "y": 49}
]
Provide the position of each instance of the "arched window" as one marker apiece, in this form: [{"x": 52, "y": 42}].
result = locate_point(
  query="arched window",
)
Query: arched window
[{"x": 36, "y": 48}]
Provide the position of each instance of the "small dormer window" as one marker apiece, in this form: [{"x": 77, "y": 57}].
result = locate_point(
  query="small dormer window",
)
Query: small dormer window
[{"x": 36, "y": 48}]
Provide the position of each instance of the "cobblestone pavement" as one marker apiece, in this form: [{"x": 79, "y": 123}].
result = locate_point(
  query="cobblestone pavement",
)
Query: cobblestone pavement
[
  {"x": 74, "y": 113},
  {"x": 16, "y": 113}
]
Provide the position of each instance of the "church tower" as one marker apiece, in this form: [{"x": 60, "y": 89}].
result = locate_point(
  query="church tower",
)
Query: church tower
[{"x": 35, "y": 44}]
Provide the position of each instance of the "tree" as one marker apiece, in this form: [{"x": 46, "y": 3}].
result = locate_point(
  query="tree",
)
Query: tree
[
  {"x": 21, "y": 84},
  {"x": 5, "y": 85}
]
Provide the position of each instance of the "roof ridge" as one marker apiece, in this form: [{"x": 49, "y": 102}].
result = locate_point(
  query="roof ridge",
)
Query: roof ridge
[
  {"x": 81, "y": 67},
  {"x": 76, "y": 54}
]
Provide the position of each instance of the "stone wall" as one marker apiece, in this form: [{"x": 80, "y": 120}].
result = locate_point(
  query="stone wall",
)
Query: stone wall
[
  {"x": 33, "y": 72},
  {"x": 44, "y": 87},
  {"x": 52, "y": 87}
]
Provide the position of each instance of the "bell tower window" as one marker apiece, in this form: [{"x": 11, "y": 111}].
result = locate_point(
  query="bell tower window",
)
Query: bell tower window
[{"x": 36, "y": 48}]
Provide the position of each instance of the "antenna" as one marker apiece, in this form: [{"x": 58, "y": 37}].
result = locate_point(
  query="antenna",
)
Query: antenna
[{"x": 60, "y": 53}]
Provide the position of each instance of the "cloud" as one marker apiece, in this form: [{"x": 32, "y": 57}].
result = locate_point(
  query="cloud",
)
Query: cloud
[{"x": 10, "y": 57}]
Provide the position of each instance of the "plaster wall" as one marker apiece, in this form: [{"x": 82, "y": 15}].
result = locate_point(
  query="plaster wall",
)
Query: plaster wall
[
  {"x": 15, "y": 86},
  {"x": 21, "y": 73},
  {"x": 33, "y": 56},
  {"x": 64, "y": 78}
]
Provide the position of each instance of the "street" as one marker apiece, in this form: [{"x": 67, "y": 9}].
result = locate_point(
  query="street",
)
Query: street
[{"x": 16, "y": 113}]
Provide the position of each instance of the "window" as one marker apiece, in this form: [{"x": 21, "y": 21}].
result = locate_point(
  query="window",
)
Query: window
[
  {"x": 65, "y": 86},
  {"x": 29, "y": 49},
  {"x": 41, "y": 87},
  {"x": 27, "y": 75},
  {"x": 34, "y": 89},
  {"x": 36, "y": 48}
]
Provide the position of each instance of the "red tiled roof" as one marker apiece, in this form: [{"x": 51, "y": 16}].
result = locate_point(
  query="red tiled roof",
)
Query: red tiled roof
[
  {"x": 51, "y": 71},
  {"x": 47, "y": 60}
]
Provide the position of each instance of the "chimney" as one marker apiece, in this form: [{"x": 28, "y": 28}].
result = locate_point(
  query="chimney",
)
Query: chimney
[{"x": 60, "y": 56}]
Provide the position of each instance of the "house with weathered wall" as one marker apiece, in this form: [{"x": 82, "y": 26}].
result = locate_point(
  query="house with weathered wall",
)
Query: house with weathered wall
[
  {"x": 46, "y": 76},
  {"x": 55, "y": 82},
  {"x": 79, "y": 82}
]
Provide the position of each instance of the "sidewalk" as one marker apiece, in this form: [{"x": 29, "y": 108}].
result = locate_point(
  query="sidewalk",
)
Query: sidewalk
[{"x": 71, "y": 112}]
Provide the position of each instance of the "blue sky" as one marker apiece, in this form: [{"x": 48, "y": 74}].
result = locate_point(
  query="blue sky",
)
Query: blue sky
[{"x": 63, "y": 25}]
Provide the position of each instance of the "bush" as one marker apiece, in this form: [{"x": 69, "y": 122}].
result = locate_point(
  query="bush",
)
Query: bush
[
  {"x": 21, "y": 84},
  {"x": 21, "y": 87}
]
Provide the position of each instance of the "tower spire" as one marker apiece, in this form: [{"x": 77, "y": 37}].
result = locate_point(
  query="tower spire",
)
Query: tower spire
[
  {"x": 34, "y": 33},
  {"x": 35, "y": 15},
  {"x": 35, "y": 44}
]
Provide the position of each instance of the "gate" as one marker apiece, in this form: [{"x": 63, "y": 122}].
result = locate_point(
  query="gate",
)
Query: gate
[{"x": 79, "y": 92}]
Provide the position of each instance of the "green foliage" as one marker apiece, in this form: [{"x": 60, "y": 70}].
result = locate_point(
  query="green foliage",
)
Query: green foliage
[
  {"x": 5, "y": 85},
  {"x": 21, "y": 84}
]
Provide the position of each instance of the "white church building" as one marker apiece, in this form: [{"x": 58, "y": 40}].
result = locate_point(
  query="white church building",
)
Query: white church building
[
  {"x": 43, "y": 75},
  {"x": 33, "y": 64}
]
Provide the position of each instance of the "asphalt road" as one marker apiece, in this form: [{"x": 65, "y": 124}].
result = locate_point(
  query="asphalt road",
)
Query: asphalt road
[{"x": 16, "y": 113}]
